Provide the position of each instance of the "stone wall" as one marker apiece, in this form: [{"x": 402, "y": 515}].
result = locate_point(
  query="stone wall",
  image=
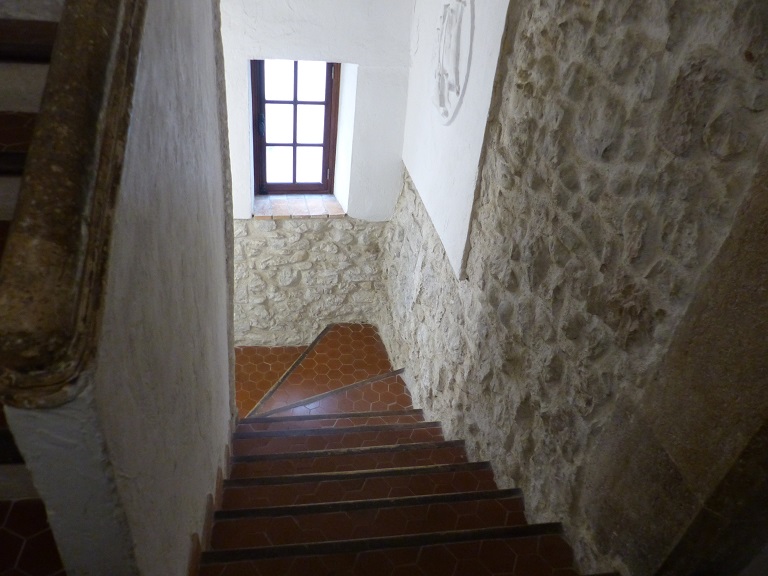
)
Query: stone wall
[
  {"x": 624, "y": 137},
  {"x": 294, "y": 277}
]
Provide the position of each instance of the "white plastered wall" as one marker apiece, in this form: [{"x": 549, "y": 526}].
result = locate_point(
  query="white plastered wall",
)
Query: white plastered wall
[
  {"x": 126, "y": 468},
  {"x": 443, "y": 159},
  {"x": 374, "y": 35}
]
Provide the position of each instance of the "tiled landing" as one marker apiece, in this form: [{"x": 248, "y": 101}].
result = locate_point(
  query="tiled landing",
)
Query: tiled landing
[
  {"x": 335, "y": 472},
  {"x": 257, "y": 368},
  {"x": 27, "y": 547}
]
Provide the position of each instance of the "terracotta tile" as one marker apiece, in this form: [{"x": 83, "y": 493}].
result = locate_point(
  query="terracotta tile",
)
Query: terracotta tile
[
  {"x": 332, "y": 207},
  {"x": 27, "y": 518},
  {"x": 346, "y": 354},
  {"x": 281, "y": 206},
  {"x": 27, "y": 546},
  {"x": 499, "y": 557},
  {"x": 257, "y": 368},
  {"x": 10, "y": 549},
  {"x": 347, "y": 462},
  {"x": 40, "y": 556},
  {"x": 298, "y": 206},
  {"x": 268, "y": 424},
  {"x": 262, "y": 208},
  {"x": 334, "y": 439},
  {"x": 358, "y": 488},
  {"x": 362, "y": 523},
  {"x": 556, "y": 550},
  {"x": 386, "y": 394},
  {"x": 316, "y": 206}
]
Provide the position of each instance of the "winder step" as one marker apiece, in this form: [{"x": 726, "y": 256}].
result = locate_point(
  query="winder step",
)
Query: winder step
[
  {"x": 348, "y": 459},
  {"x": 272, "y": 442},
  {"x": 357, "y": 485},
  {"x": 368, "y": 519},
  {"x": 537, "y": 550}
]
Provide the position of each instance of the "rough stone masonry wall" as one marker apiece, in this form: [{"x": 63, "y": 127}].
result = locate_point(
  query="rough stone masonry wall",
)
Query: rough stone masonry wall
[
  {"x": 294, "y": 277},
  {"x": 624, "y": 136}
]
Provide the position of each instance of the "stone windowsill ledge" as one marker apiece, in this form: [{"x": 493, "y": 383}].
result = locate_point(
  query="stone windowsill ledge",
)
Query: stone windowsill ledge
[{"x": 286, "y": 206}]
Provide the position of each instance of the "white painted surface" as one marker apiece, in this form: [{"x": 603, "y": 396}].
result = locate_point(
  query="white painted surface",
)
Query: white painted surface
[
  {"x": 162, "y": 369},
  {"x": 372, "y": 34},
  {"x": 65, "y": 451},
  {"x": 345, "y": 134},
  {"x": 443, "y": 160},
  {"x": 377, "y": 166}
]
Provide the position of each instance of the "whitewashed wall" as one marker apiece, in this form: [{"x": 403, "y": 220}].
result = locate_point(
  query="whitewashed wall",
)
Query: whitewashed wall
[
  {"x": 443, "y": 160},
  {"x": 372, "y": 34}
]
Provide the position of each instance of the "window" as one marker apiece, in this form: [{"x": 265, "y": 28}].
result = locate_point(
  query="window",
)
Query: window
[{"x": 295, "y": 109}]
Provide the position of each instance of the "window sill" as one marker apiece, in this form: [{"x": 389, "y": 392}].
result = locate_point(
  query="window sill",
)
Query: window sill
[{"x": 286, "y": 206}]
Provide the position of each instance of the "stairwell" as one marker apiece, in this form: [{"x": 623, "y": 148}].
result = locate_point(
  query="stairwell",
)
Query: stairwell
[
  {"x": 27, "y": 546},
  {"x": 335, "y": 472}
]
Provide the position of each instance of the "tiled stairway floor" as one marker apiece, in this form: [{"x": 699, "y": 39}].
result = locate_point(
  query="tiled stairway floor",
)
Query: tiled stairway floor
[{"x": 335, "y": 472}]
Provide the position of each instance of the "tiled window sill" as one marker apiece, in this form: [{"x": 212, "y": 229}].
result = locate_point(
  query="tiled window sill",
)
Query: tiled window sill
[{"x": 285, "y": 206}]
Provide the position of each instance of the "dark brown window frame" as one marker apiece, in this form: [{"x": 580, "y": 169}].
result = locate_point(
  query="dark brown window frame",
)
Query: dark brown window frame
[{"x": 259, "y": 137}]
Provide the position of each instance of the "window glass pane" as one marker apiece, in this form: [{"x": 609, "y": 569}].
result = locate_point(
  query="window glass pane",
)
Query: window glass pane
[
  {"x": 312, "y": 81},
  {"x": 279, "y": 123},
  {"x": 309, "y": 164},
  {"x": 279, "y": 164},
  {"x": 310, "y": 123},
  {"x": 278, "y": 79}
]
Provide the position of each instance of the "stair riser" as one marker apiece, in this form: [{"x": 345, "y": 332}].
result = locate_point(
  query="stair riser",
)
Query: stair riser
[
  {"x": 367, "y": 523},
  {"x": 361, "y": 488},
  {"x": 276, "y": 445},
  {"x": 329, "y": 423},
  {"x": 525, "y": 556},
  {"x": 367, "y": 461}
]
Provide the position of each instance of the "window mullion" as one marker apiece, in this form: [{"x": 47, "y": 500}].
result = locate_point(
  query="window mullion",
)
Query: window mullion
[{"x": 295, "y": 114}]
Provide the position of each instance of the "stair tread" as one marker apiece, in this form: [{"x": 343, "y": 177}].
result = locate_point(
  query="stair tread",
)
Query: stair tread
[
  {"x": 279, "y": 442},
  {"x": 335, "y": 472},
  {"x": 344, "y": 354},
  {"x": 257, "y": 369},
  {"x": 336, "y": 430},
  {"x": 532, "y": 531},
  {"x": 332, "y": 416},
  {"x": 387, "y": 393},
  {"x": 27, "y": 40},
  {"x": 348, "y": 474},
  {"x": 393, "y": 519},
  {"x": 268, "y": 424},
  {"x": 377, "y": 457},
  {"x": 340, "y": 451},
  {"x": 368, "y": 503},
  {"x": 346, "y": 486}
]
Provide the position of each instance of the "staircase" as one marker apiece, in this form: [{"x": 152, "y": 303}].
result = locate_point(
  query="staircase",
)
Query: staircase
[
  {"x": 27, "y": 546},
  {"x": 335, "y": 472},
  {"x": 25, "y": 51}
]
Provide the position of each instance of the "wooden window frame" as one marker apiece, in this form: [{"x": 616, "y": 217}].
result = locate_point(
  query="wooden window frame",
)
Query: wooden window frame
[{"x": 262, "y": 187}]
